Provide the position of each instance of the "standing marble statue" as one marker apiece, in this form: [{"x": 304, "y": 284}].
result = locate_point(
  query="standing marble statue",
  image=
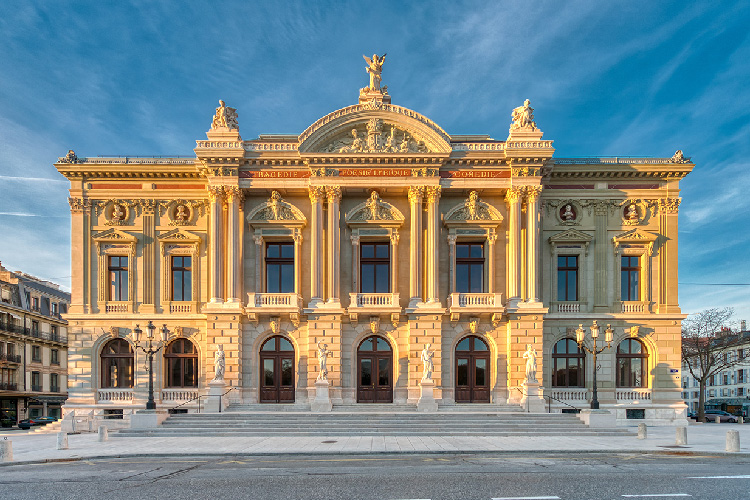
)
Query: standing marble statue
[
  {"x": 428, "y": 365},
  {"x": 523, "y": 117},
  {"x": 225, "y": 117},
  {"x": 530, "y": 357},
  {"x": 375, "y": 68},
  {"x": 219, "y": 363},
  {"x": 323, "y": 354}
]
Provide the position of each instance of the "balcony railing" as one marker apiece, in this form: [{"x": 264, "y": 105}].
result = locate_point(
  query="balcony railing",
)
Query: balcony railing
[
  {"x": 634, "y": 307},
  {"x": 567, "y": 307},
  {"x": 633, "y": 394},
  {"x": 572, "y": 394},
  {"x": 181, "y": 307},
  {"x": 389, "y": 300},
  {"x": 55, "y": 388},
  {"x": 36, "y": 388},
  {"x": 8, "y": 387},
  {"x": 117, "y": 307},
  {"x": 115, "y": 395},
  {"x": 10, "y": 358},
  {"x": 28, "y": 332},
  {"x": 274, "y": 302},
  {"x": 178, "y": 394}
]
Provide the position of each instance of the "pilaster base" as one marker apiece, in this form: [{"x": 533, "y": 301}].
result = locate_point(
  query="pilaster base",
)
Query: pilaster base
[
  {"x": 427, "y": 401},
  {"x": 532, "y": 400},
  {"x": 322, "y": 401}
]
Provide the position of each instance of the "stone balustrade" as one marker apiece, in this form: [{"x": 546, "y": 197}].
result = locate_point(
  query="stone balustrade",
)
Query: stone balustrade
[
  {"x": 178, "y": 395},
  {"x": 115, "y": 395},
  {"x": 633, "y": 394}
]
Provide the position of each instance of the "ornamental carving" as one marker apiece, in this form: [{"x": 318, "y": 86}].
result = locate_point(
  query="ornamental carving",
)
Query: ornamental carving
[
  {"x": 182, "y": 212},
  {"x": 678, "y": 157},
  {"x": 275, "y": 209},
  {"x": 374, "y": 209},
  {"x": 514, "y": 194},
  {"x": 669, "y": 205},
  {"x": 525, "y": 171},
  {"x": 377, "y": 137},
  {"x": 79, "y": 204},
  {"x": 474, "y": 209},
  {"x": 225, "y": 117},
  {"x": 416, "y": 193},
  {"x": 70, "y": 158},
  {"x": 635, "y": 237},
  {"x": 523, "y": 117}
]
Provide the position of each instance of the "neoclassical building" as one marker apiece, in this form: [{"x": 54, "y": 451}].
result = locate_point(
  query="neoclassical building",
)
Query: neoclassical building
[{"x": 375, "y": 232}]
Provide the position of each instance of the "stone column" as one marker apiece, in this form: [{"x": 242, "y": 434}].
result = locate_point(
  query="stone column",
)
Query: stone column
[
  {"x": 149, "y": 257},
  {"x": 532, "y": 242},
  {"x": 433, "y": 229},
  {"x": 80, "y": 217},
  {"x": 452, "y": 263},
  {"x": 513, "y": 197},
  {"x": 316, "y": 245},
  {"x": 601, "y": 245},
  {"x": 216, "y": 196},
  {"x": 333, "y": 195},
  {"x": 668, "y": 300},
  {"x": 491, "y": 239},
  {"x": 415, "y": 245},
  {"x": 258, "y": 263},
  {"x": 298, "y": 263},
  {"x": 355, "y": 263},
  {"x": 233, "y": 194},
  {"x": 394, "y": 263}
]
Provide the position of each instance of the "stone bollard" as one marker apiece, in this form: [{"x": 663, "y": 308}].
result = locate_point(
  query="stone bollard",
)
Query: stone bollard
[
  {"x": 681, "y": 435},
  {"x": 717, "y": 419},
  {"x": 6, "y": 450},
  {"x": 62, "y": 440},
  {"x": 103, "y": 433},
  {"x": 642, "y": 431},
  {"x": 733, "y": 441},
  {"x": 741, "y": 420}
]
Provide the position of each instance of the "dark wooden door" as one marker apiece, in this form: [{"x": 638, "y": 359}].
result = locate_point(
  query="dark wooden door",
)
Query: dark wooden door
[
  {"x": 472, "y": 371},
  {"x": 277, "y": 371},
  {"x": 374, "y": 371}
]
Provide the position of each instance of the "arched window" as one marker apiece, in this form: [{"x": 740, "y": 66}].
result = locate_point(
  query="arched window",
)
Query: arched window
[
  {"x": 567, "y": 364},
  {"x": 181, "y": 360},
  {"x": 117, "y": 365},
  {"x": 632, "y": 363},
  {"x": 374, "y": 371}
]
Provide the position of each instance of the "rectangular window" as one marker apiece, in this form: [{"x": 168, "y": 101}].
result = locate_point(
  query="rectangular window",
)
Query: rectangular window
[
  {"x": 55, "y": 309},
  {"x": 375, "y": 267},
  {"x": 118, "y": 278},
  {"x": 54, "y": 382},
  {"x": 35, "y": 303},
  {"x": 470, "y": 267},
  {"x": 567, "y": 277},
  {"x": 55, "y": 357},
  {"x": 726, "y": 379},
  {"x": 54, "y": 332},
  {"x": 36, "y": 381},
  {"x": 182, "y": 278},
  {"x": 740, "y": 391},
  {"x": 279, "y": 267},
  {"x": 36, "y": 353},
  {"x": 35, "y": 328},
  {"x": 630, "y": 270},
  {"x": 11, "y": 349}
]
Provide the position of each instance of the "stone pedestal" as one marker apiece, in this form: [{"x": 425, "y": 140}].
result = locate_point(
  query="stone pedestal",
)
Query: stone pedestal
[
  {"x": 427, "y": 401},
  {"x": 322, "y": 401},
  {"x": 213, "y": 402},
  {"x": 598, "y": 418},
  {"x": 532, "y": 400},
  {"x": 148, "y": 419}
]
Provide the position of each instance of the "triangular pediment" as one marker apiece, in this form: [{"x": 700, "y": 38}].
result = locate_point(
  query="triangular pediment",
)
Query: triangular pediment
[
  {"x": 374, "y": 128},
  {"x": 179, "y": 235},
  {"x": 114, "y": 235},
  {"x": 375, "y": 210},
  {"x": 473, "y": 210},
  {"x": 276, "y": 210},
  {"x": 635, "y": 235},
  {"x": 570, "y": 236}
]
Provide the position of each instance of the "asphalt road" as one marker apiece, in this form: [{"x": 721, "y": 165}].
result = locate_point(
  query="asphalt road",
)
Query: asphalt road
[{"x": 435, "y": 477}]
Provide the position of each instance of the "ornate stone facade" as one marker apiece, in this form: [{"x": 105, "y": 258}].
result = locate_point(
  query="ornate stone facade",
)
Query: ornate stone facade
[{"x": 376, "y": 225}]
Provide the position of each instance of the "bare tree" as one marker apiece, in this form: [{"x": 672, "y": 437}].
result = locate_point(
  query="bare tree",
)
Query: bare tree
[{"x": 709, "y": 346}]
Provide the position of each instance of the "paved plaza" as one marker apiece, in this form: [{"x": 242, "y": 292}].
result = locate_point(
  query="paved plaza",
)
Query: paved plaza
[{"x": 34, "y": 447}]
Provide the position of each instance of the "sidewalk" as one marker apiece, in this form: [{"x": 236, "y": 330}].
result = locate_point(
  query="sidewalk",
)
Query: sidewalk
[{"x": 29, "y": 447}]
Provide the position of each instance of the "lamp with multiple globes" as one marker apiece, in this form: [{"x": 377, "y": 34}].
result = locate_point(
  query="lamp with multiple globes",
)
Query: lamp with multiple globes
[
  {"x": 581, "y": 341},
  {"x": 150, "y": 404}
]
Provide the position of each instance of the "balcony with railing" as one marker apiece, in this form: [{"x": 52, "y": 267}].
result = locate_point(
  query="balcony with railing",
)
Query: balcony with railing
[
  {"x": 364, "y": 303},
  {"x": 634, "y": 306},
  {"x": 115, "y": 395},
  {"x": 179, "y": 394},
  {"x": 273, "y": 304},
  {"x": 8, "y": 387},
  {"x": 32, "y": 333},
  {"x": 570, "y": 394},
  {"x": 475, "y": 303},
  {"x": 569, "y": 307},
  {"x": 10, "y": 358},
  {"x": 633, "y": 395},
  {"x": 36, "y": 388},
  {"x": 117, "y": 307}
]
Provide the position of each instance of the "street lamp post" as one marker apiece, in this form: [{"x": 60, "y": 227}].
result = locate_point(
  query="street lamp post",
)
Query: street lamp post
[
  {"x": 580, "y": 340},
  {"x": 150, "y": 404}
]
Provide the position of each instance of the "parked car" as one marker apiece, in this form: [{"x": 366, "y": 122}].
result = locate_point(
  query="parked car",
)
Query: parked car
[
  {"x": 45, "y": 420},
  {"x": 710, "y": 416},
  {"x": 31, "y": 422}
]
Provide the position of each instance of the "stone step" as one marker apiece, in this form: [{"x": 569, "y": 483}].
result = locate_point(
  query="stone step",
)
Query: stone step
[{"x": 363, "y": 432}]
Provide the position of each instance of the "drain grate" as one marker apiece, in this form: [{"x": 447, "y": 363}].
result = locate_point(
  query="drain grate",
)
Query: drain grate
[{"x": 329, "y": 442}]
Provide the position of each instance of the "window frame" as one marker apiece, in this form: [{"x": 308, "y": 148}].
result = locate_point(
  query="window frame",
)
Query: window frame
[
  {"x": 105, "y": 373},
  {"x": 114, "y": 242},
  {"x": 630, "y": 270},
  {"x": 643, "y": 356},
  {"x": 115, "y": 273},
  {"x": 183, "y": 359},
  {"x": 36, "y": 354},
  {"x": 54, "y": 356},
  {"x": 180, "y": 243},
  {"x": 279, "y": 261},
  {"x": 471, "y": 261},
  {"x": 580, "y": 355},
  {"x": 567, "y": 269},
  {"x": 572, "y": 243},
  {"x": 375, "y": 261},
  {"x": 182, "y": 270}
]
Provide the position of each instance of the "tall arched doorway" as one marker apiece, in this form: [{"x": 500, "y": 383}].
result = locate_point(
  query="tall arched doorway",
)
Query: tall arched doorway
[
  {"x": 374, "y": 371},
  {"x": 472, "y": 371},
  {"x": 277, "y": 371}
]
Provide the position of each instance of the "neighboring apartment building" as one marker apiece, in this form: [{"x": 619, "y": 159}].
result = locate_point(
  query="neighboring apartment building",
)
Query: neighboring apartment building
[
  {"x": 33, "y": 347},
  {"x": 375, "y": 232},
  {"x": 728, "y": 390}
]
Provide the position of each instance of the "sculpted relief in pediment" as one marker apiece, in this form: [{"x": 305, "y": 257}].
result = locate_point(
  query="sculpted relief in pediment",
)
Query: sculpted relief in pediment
[{"x": 376, "y": 137}]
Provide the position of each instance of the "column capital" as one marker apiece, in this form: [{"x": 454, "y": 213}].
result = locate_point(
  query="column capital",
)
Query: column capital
[
  {"x": 79, "y": 205},
  {"x": 514, "y": 194},
  {"x": 355, "y": 239},
  {"x": 533, "y": 192},
  {"x": 415, "y": 194},
  {"x": 394, "y": 238},
  {"x": 232, "y": 193},
  {"x": 452, "y": 239},
  {"x": 669, "y": 206},
  {"x": 215, "y": 193},
  {"x": 333, "y": 193},
  {"x": 432, "y": 193},
  {"x": 316, "y": 194},
  {"x": 258, "y": 239}
]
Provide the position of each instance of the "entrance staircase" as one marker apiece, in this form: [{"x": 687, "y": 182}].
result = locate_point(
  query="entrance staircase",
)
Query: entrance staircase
[{"x": 372, "y": 420}]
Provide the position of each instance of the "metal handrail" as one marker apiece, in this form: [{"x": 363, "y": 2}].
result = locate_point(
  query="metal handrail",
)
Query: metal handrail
[
  {"x": 549, "y": 403},
  {"x": 198, "y": 398}
]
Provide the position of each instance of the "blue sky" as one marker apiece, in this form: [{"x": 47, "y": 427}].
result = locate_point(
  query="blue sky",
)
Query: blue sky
[{"x": 143, "y": 78}]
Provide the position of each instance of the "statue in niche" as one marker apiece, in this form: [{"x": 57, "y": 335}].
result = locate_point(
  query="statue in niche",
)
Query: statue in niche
[
  {"x": 427, "y": 364},
  {"x": 568, "y": 214},
  {"x": 632, "y": 213},
  {"x": 357, "y": 145},
  {"x": 323, "y": 354},
  {"x": 390, "y": 143},
  {"x": 181, "y": 215},
  {"x": 372, "y": 206},
  {"x": 523, "y": 117},
  {"x": 375, "y": 68},
  {"x": 118, "y": 213},
  {"x": 472, "y": 206},
  {"x": 530, "y": 356},
  {"x": 225, "y": 117},
  {"x": 219, "y": 363},
  {"x": 275, "y": 204}
]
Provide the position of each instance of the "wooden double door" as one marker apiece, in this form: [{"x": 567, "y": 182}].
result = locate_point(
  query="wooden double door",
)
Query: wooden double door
[
  {"x": 277, "y": 371},
  {"x": 472, "y": 371},
  {"x": 374, "y": 371}
]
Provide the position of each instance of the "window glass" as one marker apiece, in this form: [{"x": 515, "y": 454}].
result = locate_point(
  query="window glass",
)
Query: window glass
[
  {"x": 480, "y": 371},
  {"x": 374, "y": 270},
  {"x": 479, "y": 345},
  {"x": 285, "y": 345},
  {"x": 462, "y": 372},
  {"x": 367, "y": 345},
  {"x": 268, "y": 372},
  {"x": 365, "y": 371},
  {"x": 470, "y": 267},
  {"x": 567, "y": 363},
  {"x": 287, "y": 372},
  {"x": 383, "y": 372},
  {"x": 383, "y": 345},
  {"x": 464, "y": 345},
  {"x": 269, "y": 345},
  {"x": 280, "y": 267}
]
